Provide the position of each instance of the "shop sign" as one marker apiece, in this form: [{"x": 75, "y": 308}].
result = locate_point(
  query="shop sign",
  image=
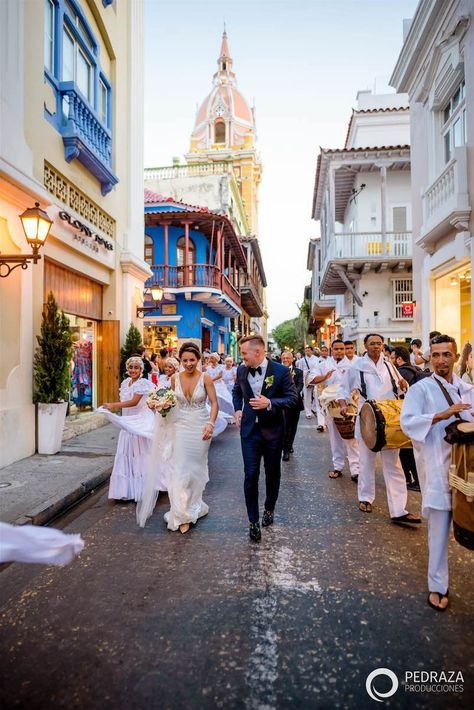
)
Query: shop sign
[
  {"x": 168, "y": 309},
  {"x": 83, "y": 233},
  {"x": 407, "y": 309}
]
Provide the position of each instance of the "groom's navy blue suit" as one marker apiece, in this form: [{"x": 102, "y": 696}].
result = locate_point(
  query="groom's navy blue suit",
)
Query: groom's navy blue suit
[{"x": 262, "y": 432}]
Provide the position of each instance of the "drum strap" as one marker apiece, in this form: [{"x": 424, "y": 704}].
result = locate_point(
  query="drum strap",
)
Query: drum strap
[
  {"x": 363, "y": 386},
  {"x": 447, "y": 396}
]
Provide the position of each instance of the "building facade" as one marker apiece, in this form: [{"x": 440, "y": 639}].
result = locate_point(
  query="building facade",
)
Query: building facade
[
  {"x": 196, "y": 257},
  {"x": 436, "y": 69},
  {"x": 71, "y": 83},
  {"x": 361, "y": 266},
  {"x": 223, "y": 172}
]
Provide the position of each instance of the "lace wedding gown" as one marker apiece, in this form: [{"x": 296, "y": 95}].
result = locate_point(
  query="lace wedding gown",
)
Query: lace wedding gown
[{"x": 178, "y": 445}]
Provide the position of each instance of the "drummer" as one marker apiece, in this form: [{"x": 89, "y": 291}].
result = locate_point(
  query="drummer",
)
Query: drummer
[
  {"x": 331, "y": 373},
  {"x": 425, "y": 415},
  {"x": 375, "y": 378}
]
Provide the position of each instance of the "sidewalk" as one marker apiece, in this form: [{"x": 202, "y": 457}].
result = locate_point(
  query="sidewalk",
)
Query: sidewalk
[{"x": 38, "y": 488}]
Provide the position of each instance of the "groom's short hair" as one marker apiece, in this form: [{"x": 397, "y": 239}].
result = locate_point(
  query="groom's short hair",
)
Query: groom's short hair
[{"x": 253, "y": 339}]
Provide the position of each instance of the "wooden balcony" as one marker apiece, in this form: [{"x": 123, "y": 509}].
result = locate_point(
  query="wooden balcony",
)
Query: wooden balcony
[
  {"x": 199, "y": 282},
  {"x": 251, "y": 298}
]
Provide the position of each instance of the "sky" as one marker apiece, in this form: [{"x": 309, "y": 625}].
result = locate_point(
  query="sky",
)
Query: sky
[{"x": 302, "y": 62}]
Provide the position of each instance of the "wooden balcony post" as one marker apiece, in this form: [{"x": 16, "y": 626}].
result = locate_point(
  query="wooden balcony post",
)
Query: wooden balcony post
[
  {"x": 186, "y": 253},
  {"x": 166, "y": 254}
]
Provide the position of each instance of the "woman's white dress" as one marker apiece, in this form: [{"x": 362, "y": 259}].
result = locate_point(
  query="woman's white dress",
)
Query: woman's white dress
[
  {"x": 224, "y": 397},
  {"x": 179, "y": 447},
  {"x": 126, "y": 481},
  {"x": 228, "y": 378}
]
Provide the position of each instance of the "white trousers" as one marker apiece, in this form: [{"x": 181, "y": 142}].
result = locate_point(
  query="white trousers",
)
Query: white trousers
[
  {"x": 341, "y": 447},
  {"x": 307, "y": 399},
  {"x": 394, "y": 477},
  {"x": 439, "y": 522}
]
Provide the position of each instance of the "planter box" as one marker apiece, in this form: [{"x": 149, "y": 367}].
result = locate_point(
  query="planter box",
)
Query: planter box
[{"x": 51, "y": 418}]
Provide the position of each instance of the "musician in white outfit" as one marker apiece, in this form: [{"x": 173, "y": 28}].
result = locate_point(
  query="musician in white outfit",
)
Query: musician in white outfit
[
  {"x": 375, "y": 378},
  {"x": 331, "y": 372},
  {"x": 308, "y": 364},
  {"x": 425, "y": 414}
]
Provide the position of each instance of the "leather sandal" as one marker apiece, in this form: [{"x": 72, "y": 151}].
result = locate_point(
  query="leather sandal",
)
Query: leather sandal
[
  {"x": 365, "y": 506},
  {"x": 335, "y": 474},
  {"x": 440, "y": 598}
]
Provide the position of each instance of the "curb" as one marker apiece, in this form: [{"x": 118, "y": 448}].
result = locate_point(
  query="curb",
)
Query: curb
[{"x": 53, "y": 507}]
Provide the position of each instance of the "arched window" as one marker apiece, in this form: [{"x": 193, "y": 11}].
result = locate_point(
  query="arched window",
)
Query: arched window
[
  {"x": 180, "y": 252},
  {"x": 149, "y": 250},
  {"x": 219, "y": 131}
]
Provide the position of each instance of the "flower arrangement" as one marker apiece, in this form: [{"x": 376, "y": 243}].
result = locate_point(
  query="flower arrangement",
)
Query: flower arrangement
[{"x": 162, "y": 401}]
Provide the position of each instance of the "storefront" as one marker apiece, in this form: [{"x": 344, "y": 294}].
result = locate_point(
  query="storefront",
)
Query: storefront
[
  {"x": 156, "y": 337},
  {"x": 453, "y": 310}
]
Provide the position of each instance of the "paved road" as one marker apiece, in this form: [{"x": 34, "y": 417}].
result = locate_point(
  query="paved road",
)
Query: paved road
[{"x": 158, "y": 620}]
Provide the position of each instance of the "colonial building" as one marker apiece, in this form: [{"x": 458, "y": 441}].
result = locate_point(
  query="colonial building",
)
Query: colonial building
[
  {"x": 198, "y": 260},
  {"x": 71, "y": 81},
  {"x": 436, "y": 69},
  {"x": 361, "y": 266},
  {"x": 223, "y": 173}
]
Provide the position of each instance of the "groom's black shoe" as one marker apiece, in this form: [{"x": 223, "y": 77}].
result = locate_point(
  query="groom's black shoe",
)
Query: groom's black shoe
[
  {"x": 267, "y": 518},
  {"x": 286, "y": 456},
  {"x": 255, "y": 533}
]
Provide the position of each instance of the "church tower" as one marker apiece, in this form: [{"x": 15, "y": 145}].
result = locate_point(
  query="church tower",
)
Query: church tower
[{"x": 225, "y": 130}]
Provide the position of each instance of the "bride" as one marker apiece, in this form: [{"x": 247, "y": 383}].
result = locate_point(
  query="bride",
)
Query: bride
[{"x": 181, "y": 443}]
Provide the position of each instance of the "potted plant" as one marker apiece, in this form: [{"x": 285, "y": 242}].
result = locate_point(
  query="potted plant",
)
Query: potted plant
[
  {"x": 52, "y": 376},
  {"x": 132, "y": 343}
]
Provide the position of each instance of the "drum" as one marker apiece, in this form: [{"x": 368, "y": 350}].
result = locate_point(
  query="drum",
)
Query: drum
[
  {"x": 380, "y": 425},
  {"x": 344, "y": 425},
  {"x": 461, "y": 480}
]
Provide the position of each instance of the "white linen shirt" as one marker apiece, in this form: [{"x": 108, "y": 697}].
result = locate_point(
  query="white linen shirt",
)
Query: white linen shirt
[
  {"x": 377, "y": 380},
  {"x": 329, "y": 364},
  {"x": 432, "y": 452}
]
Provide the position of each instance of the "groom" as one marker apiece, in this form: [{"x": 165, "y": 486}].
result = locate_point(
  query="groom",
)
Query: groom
[{"x": 262, "y": 390}]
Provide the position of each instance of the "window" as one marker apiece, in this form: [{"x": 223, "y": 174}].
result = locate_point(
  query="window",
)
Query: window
[
  {"x": 219, "y": 130},
  {"x": 180, "y": 252},
  {"x": 402, "y": 292},
  {"x": 149, "y": 250},
  {"x": 454, "y": 122},
  {"x": 399, "y": 215},
  {"x": 76, "y": 65},
  {"x": 49, "y": 35},
  {"x": 103, "y": 101}
]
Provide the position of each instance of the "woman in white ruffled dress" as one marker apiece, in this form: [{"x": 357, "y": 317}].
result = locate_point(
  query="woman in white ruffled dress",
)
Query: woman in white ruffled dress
[
  {"x": 229, "y": 373},
  {"x": 181, "y": 444},
  {"x": 171, "y": 365},
  {"x": 126, "y": 481},
  {"x": 224, "y": 397}
]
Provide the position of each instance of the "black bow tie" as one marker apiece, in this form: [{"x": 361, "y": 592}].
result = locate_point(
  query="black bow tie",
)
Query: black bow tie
[{"x": 253, "y": 370}]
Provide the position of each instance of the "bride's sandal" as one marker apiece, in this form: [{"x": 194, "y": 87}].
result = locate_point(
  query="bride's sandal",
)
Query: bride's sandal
[{"x": 184, "y": 528}]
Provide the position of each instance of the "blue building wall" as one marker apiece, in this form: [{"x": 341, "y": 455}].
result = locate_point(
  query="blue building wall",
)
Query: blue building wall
[{"x": 190, "y": 325}]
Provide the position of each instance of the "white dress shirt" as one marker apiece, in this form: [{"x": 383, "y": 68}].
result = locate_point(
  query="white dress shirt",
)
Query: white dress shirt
[{"x": 256, "y": 381}]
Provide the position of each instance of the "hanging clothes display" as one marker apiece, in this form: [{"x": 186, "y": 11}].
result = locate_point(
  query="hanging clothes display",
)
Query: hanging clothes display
[{"x": 81, "y": 377}]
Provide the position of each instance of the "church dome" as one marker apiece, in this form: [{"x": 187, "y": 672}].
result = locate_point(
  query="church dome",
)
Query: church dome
[{"x": 224, "y": 117}]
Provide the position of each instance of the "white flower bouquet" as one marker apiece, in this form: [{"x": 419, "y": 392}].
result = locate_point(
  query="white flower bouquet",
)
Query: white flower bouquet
[{"x": 162, "y": 401}]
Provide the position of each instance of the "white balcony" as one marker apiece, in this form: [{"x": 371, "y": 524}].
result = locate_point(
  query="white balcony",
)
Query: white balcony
[
  {"x": 446, "y": 201},
  {"x": 356, "y": 253}
]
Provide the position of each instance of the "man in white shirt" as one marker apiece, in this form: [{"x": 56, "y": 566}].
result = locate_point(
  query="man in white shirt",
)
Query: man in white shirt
[
  {"x": 330, "y": 372},
  {"x": 375, "y": 378},
  {"x": 349, "y": 349},
  {"x": 308, "y": 363},
  {"x": 425, "y": 414}
]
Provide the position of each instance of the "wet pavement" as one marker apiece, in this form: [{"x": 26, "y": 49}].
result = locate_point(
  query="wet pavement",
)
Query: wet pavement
[{"x": 154, "y": 619}]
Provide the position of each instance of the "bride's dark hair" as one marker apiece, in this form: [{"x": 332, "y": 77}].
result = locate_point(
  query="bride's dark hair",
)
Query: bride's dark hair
[{"x": 189, "y": 347}]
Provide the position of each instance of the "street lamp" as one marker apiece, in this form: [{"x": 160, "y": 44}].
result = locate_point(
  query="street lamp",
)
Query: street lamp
[
  {"x": 328, "y": 321},
  {"x": 157, "y": 293},
  {"x": 36, "y": 225}
]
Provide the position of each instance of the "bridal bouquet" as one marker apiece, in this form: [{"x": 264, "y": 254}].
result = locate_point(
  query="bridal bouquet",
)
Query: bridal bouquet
[{"x": 162, "y": 401}]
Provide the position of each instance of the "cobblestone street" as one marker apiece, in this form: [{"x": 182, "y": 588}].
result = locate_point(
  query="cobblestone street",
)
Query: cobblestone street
[{"x": 149, "y": 618}]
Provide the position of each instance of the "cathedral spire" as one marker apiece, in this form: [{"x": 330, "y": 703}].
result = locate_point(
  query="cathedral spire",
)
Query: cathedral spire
[{"x": 224, "y": 63}]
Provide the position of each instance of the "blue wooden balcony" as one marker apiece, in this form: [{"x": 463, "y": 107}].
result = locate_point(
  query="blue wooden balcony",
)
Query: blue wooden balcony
[{"x": 85, "y": 138}]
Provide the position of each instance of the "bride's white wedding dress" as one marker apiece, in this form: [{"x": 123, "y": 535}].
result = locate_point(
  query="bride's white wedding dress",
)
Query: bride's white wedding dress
[{"x": 179, "y": 447}]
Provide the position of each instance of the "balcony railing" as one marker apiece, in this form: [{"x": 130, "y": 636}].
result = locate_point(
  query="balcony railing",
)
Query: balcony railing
[
  {"x": 85, "y": 137},
  {"x": 369, "y": 245},
  {"x": 447, "y": 198},
  {"x": 192, "y": 170},
  {"x": 194, "y": 276}
]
